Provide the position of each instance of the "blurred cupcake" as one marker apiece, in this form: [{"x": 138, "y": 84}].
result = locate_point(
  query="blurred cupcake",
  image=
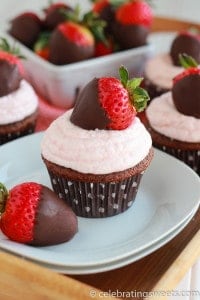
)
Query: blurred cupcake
[
  {"x": 173, "y": 119},
  {"x": 18, "y": 101},
  {"x": 97, "y": 152},
  {"x": 162, "y": 68}
]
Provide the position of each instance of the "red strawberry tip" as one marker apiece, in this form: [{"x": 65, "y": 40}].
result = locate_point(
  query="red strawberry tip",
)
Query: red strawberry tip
[{"x": 138, "y": 96}]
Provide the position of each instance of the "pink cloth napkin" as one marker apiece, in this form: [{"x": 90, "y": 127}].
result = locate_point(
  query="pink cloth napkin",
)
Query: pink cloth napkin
[{"x": 47, "y": 114}]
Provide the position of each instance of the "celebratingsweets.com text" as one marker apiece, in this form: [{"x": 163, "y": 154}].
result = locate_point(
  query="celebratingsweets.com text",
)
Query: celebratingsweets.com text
[{"x": 142, "y": 294}]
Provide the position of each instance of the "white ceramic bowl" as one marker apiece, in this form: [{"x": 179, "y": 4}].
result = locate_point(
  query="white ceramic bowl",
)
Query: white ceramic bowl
[{"x": 59, "y": 84}]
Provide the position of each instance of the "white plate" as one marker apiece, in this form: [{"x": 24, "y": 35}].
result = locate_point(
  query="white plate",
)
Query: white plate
[
  {"x": 168, "y": 194},
  {"x": 121, "y": 262},
  {"x": 117, "y": 263}
]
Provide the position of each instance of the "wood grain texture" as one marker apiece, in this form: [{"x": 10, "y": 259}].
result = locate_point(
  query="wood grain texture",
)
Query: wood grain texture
[
  {"x": 170, "y": 24},
  {"x": 166, "y": 265},
  {"x": 23, "y": 280}
]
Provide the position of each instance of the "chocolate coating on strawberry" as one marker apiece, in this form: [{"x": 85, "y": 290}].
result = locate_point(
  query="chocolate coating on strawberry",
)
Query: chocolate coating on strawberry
[
  {"x": 26, "y": 28},
  {"x": 65, "y": 47},
  {"x": 186, "y": 95},
  {"x": 133, "y": 22},
  {"x": 108, "y": 103},
  {"x": 88, "y": 113},
  {"x": 33, "y": 214},
  {"x": 186, "y": 88},
  {"x": 130, "y": 36},
  {"x": 185, "y": 43},
  {"x": 10, "y": 78},
  {"x": 55, "y": 221},
  {"x": 56, "y": 14}
]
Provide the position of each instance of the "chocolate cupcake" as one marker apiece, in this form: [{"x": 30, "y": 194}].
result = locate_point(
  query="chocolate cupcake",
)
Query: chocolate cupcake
[
  {"x": 18, "y": 101},
  {"x": 162, "y": 68},
  {"x": 173, "y": 119},
  {"x": 97, "y": 152}
]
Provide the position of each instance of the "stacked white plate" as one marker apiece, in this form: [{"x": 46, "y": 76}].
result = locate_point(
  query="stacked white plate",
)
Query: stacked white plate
[{"x": 168, "y": 198}]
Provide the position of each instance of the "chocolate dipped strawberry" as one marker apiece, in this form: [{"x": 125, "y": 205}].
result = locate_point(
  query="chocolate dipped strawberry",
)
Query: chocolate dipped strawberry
[
  {"x": 106, "y": 11},
  {"x": 11, "y": 68},
  {"x": 33, "y": 214},
  {"x": 70, "y": 42},
  {"x": 55, "y": 14},
  {"x": 109, "y": 103},
  {"x": 133, "y": 21},
  {"x": 187, "y": 42},
  {"x": 186, "y": 88},
  {"x": 26, "y": 28}
]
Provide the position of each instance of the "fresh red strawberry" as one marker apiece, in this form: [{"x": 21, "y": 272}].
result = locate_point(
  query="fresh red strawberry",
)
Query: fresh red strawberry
[
  {"x": 41, "y": 47},
  {"x": 56, "y": 14},
  {"x": 11, "y": 68},
  {"x": 104, "y": 48},
  {"x": 26, "y": 28},
  {"x": 186, "y": 88},
  {"x": 70, "y": 42},
  {"x": 137, "y": 12},
  {"x": 34, "y": 215},
  {"x": 133, "y": 22},
  {"x": 109, "y": 103},
  {"x": 187, "y": 42}
]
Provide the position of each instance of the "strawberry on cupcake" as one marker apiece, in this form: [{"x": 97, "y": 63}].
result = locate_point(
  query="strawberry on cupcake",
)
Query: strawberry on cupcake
[
  {"x": 162, "y": 68},
  {"x": 173, "y": 119},
  {"x": 18, "y": 101}
]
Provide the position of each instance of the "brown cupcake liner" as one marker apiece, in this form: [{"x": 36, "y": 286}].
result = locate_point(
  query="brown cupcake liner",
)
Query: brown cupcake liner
[
  {"x": 18, "y": 129},
  {"x": 5, "y": 138},
  {"x": 189, "y": 157},
  {"x": 96, "y": 199}
]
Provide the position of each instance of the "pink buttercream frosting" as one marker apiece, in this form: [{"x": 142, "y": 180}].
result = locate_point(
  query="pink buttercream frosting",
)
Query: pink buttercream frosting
[
  {"x": 161, "y": 71},
  {"x": 165, "y": 119},
  {"x": 95, "y": 151},
  {"x": 18, "y": 105}
]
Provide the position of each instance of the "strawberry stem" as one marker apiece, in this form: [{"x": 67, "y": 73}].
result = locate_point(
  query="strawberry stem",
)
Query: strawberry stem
[
  {"x": 3, "y": 197},
  {"x": 5, "y": 46},
  {"x": 138, "y": 96},
  {"x": 187, "y": 61}
]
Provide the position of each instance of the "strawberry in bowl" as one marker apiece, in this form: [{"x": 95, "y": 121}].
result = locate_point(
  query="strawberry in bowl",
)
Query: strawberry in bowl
[{"x": 132, "y": 25}]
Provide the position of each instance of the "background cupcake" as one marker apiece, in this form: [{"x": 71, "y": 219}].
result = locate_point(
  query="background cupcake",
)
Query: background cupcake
[
  {"x": 97, "y": 152},
  {"x": 173, "y": 119},
  {"x": 162, "y": 68},
  {"x": 18, "y": 101}
]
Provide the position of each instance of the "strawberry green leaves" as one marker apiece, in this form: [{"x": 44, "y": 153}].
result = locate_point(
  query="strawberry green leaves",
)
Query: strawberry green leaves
[
  {"x": 5, "y": 46},
  {"x": 187, "y": 61},
  {"x": 3, "y": 197},
  {"x": 138, "y": 96}
]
